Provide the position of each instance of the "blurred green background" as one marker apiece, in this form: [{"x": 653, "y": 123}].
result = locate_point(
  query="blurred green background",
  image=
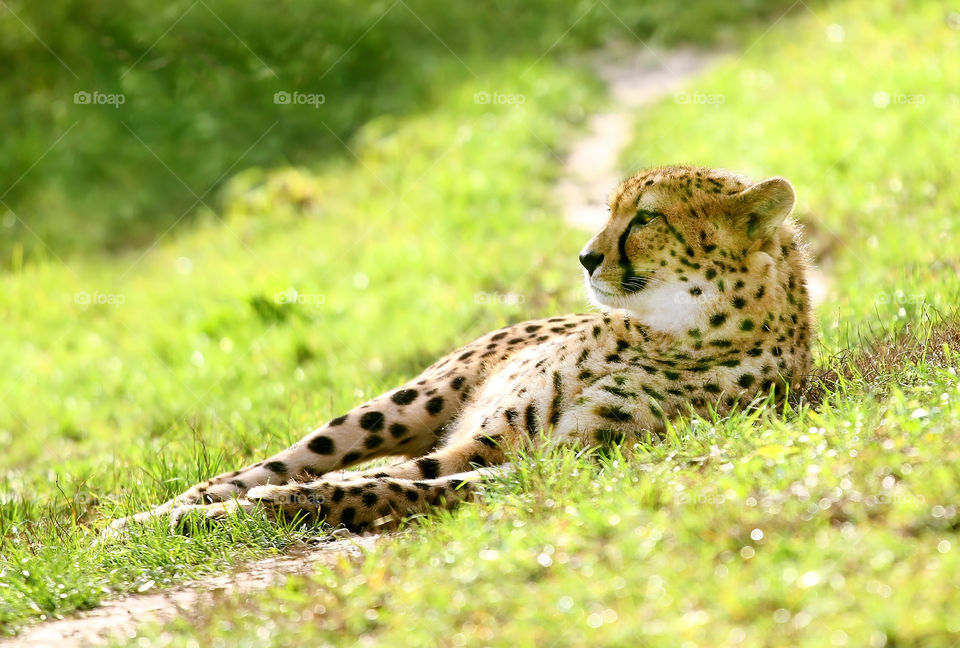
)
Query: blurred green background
[{"x": 198, "y": 78}]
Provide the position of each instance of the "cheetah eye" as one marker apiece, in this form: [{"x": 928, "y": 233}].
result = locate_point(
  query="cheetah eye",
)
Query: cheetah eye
[{"x": 644, "y": 217}]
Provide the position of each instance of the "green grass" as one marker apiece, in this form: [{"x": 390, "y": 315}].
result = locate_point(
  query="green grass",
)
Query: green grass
[{"x": 834, "y": 526}]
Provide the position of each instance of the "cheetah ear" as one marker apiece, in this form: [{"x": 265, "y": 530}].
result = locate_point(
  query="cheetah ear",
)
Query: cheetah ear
[{"x": 762, "y": 208}]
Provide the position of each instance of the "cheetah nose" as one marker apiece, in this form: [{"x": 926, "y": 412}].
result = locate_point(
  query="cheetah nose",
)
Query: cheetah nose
[{"x": 590, "y": 261}]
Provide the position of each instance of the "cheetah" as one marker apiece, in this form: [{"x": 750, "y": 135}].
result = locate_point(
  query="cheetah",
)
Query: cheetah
[{"x": 699, "y": 279}]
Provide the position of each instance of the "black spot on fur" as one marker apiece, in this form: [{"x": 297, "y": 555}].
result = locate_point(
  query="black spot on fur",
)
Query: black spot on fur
[
  {"x": 322, "y": 445},
  {"x": 745, "y": 380},
  {"x": 652, "y": 393},
  {"x": 337, "y": 495},
  {"x": 531, "y": 419},
  {"x": 718, "y": 319},
  {"x": 457, "y": 383},
  {"x": 616, "y": 391},
  {"x": 372, "y": 421},
  {"x": 429, "y": 467},
  {"x": 478, "y": 460},
  {"x": 397, "y": 430},
  {"x": 435, "y": 404},
  {"x": 337, "y": 421},
  {"x": 369, "y": 499},
  {"x": 351, "y": 457},
  {"x": 404, "y": 396},
  {"x": 612, "y": 413},
  {"x": 557, "y": 398},
  {"x": 373, "y": 441},
  {"x": 347, "y": 516},
  {"x": 276, "y": 467}
]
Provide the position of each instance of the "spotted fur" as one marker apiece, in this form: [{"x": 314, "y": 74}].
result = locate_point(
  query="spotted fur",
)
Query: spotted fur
[{"x": 700, "y": 279}]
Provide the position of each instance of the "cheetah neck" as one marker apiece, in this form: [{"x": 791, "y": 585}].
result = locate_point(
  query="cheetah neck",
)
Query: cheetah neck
[{"x": 727, "y": 316}]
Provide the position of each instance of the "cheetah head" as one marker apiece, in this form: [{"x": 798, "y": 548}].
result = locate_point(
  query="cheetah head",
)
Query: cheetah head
[{"x": 680, "y": 238}]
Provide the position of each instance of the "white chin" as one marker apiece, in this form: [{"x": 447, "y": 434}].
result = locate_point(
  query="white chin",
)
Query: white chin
[
  {"x": 607, "y": 301},
  {"x": 663, "y": 306}
]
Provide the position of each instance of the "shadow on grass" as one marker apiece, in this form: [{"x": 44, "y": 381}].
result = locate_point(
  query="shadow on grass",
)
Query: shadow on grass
[{"x": 119, "y": 123}]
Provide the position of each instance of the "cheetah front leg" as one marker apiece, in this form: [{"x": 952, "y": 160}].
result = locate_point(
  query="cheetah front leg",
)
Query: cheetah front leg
[
  {"x": 360, "y": 505},
  {"x": 393, "y": 492},
  {"x": 407, "y": 421}
]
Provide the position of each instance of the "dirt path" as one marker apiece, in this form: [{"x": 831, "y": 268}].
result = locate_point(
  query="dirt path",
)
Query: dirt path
[
  {"x": 635, "y": 78},
  {"x": 118, "y": 619}
]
